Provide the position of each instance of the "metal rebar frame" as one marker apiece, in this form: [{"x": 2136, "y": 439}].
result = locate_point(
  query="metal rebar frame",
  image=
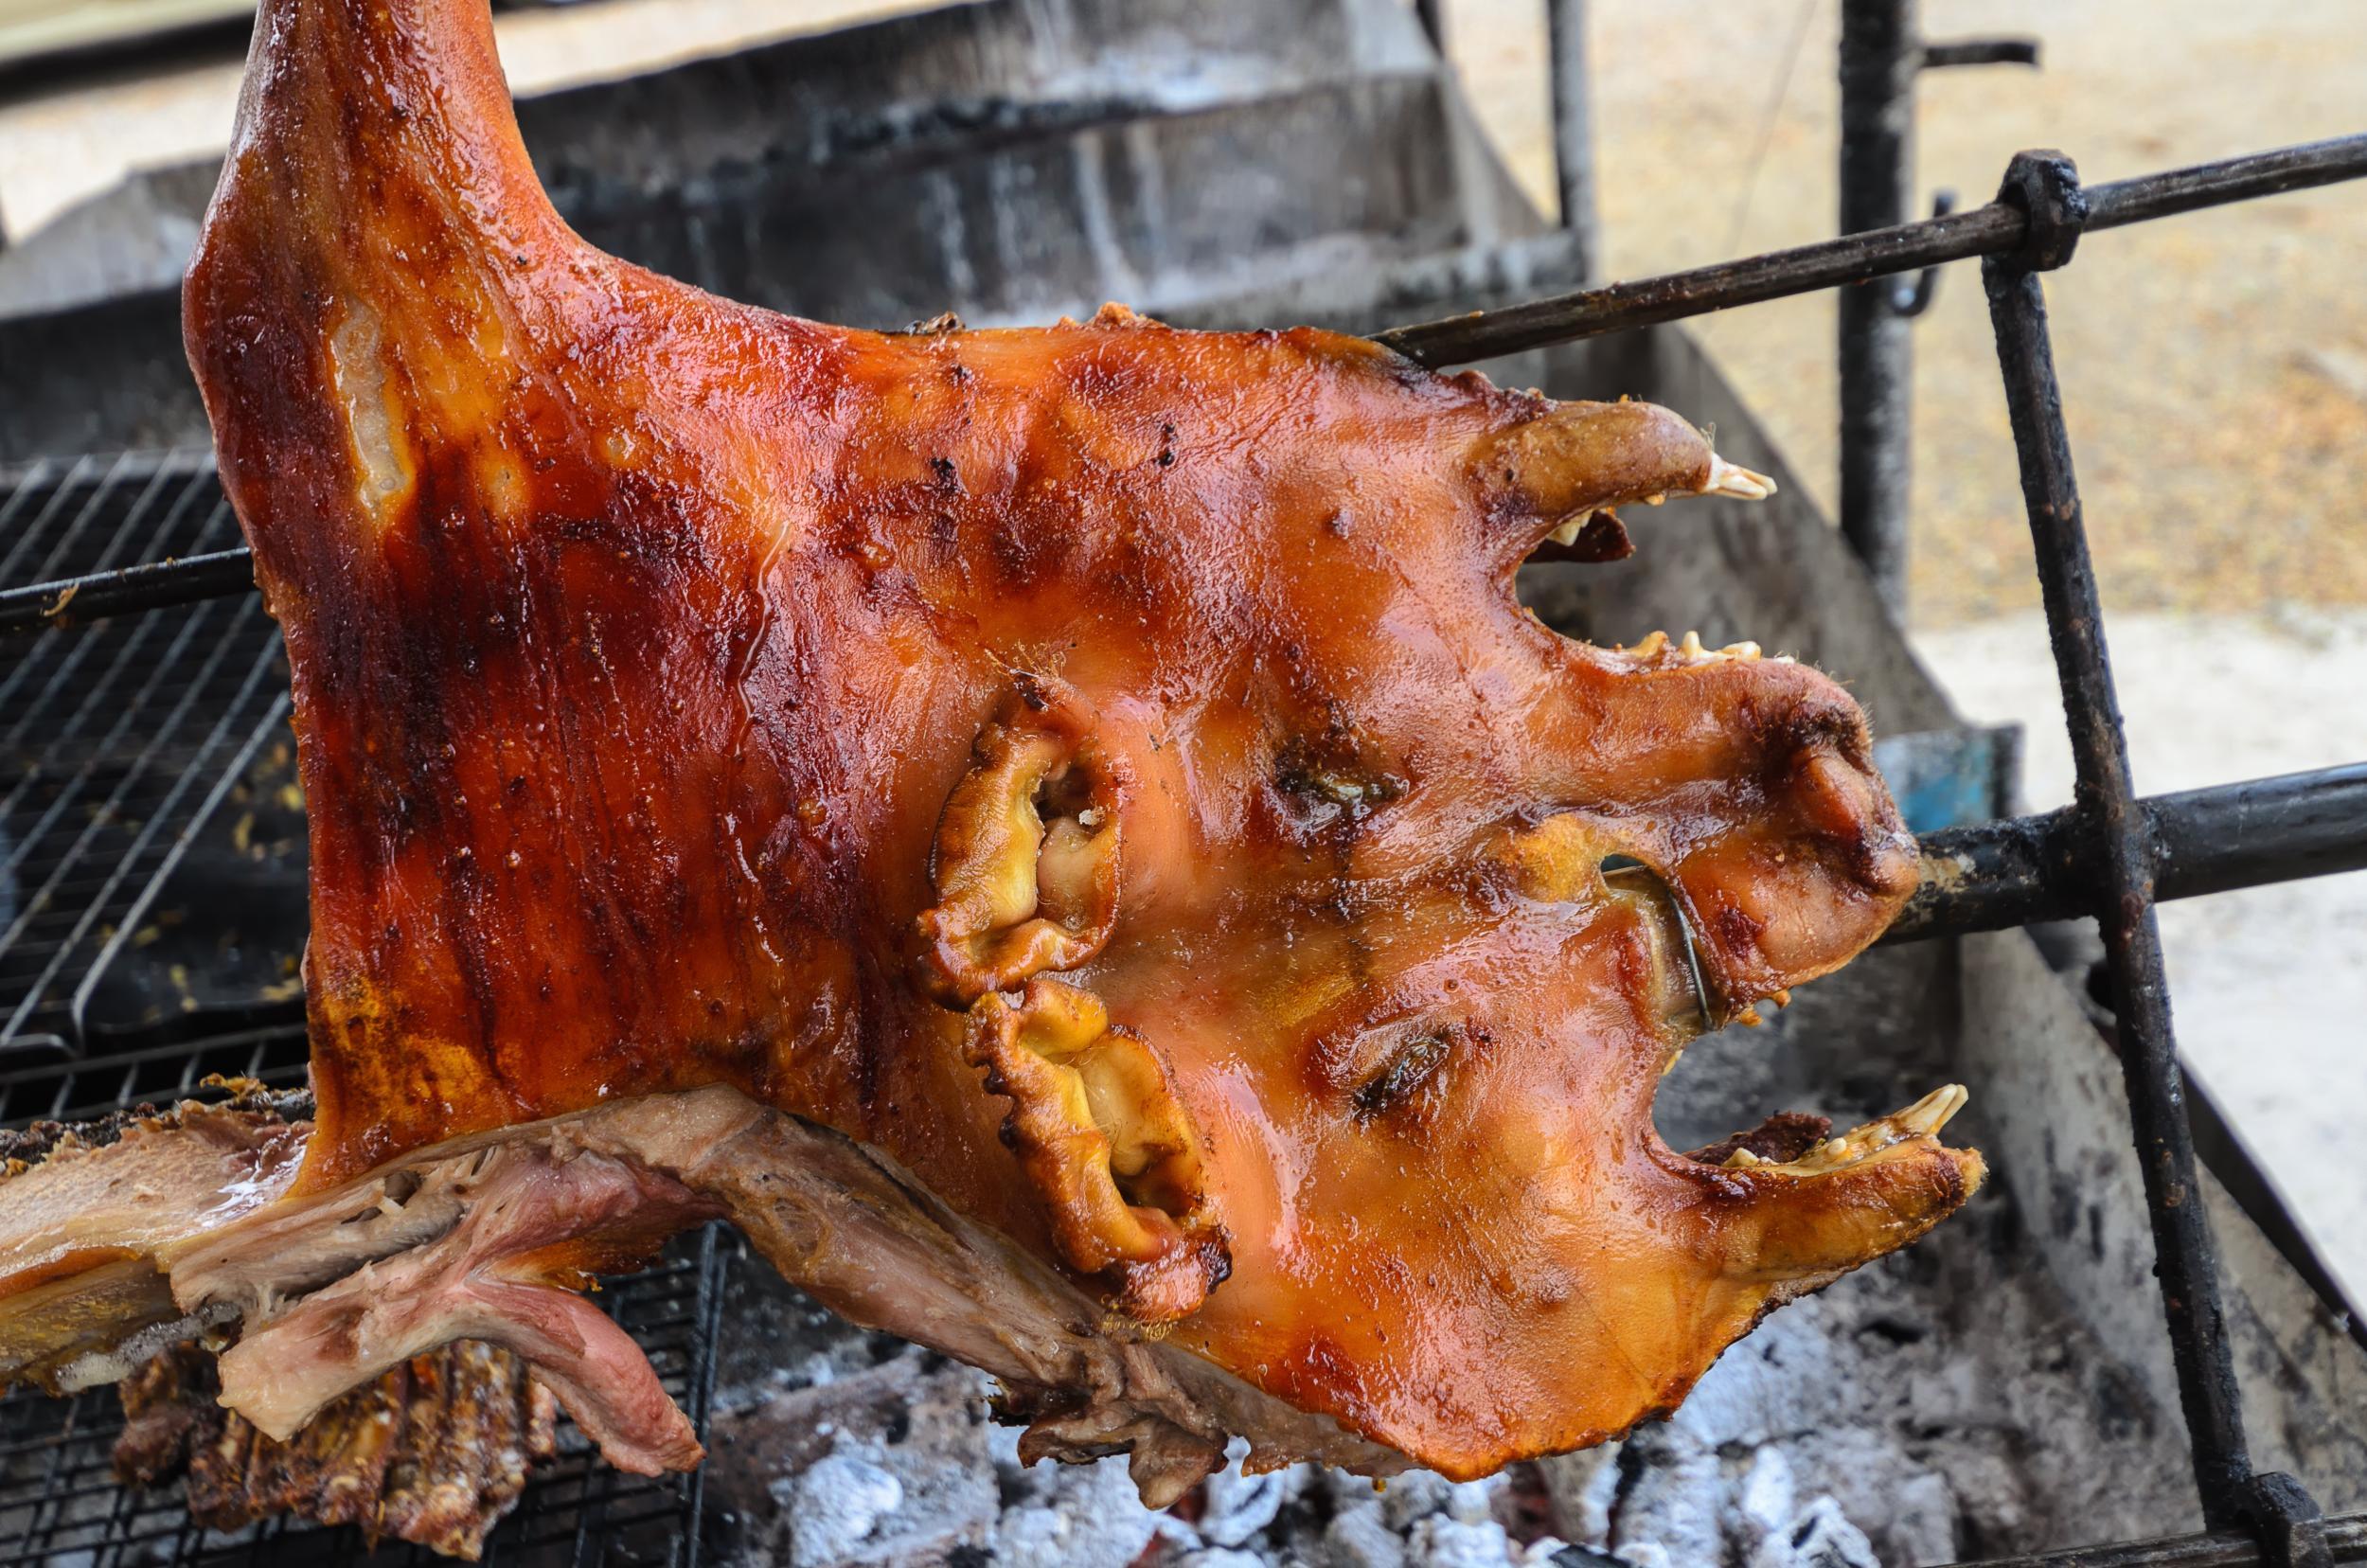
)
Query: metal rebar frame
[
  {"x": 1574, "y": 129},
  {"x": 1882, "y": 53},
  {"x": 2109, "y": 855}
]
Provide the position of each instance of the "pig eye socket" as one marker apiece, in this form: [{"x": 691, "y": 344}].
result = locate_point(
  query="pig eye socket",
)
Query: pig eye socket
[
  {"x": 1101, "y": 1137},
  {"x": 1026, "y": 862},
  {"x": 1403, "y": 1073},
  {"x": 1387, "y": 1073},
  {"x": 1568, "y": 858}
]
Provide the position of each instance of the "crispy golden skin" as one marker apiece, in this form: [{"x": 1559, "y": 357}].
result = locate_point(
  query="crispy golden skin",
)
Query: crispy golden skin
[{"x": 1103, "y": 766}]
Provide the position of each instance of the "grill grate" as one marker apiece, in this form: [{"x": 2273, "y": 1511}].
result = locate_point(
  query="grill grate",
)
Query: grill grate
[
  {"x": 118, "y": 739},
  {"x": 115, "y": 738},
  {"x": 60, "y": 1504}
]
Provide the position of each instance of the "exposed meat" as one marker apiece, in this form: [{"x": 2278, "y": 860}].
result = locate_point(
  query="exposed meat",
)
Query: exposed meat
[
  {"x": 435, "y": 1451},
  {"x": 79, "y": 1230},
  {"x": 1081, "y": 810},
  {"x": 169, "y": 1408},
  {"x": 1786, "y": 1136},
  {"x": 475, "y": 1426},
  {"x": 845, "y": 1222},
  {"x": 480, "y": 1280}
]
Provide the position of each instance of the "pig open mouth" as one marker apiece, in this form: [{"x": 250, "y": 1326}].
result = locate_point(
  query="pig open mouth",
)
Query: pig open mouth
[{"x": 1065, "y": 836}]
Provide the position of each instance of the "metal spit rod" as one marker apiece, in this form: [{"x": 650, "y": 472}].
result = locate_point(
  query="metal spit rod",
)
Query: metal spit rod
[
  {"x": 1990, "y": 230},
  {"x": 2018, "y": 871},
  {"x": 1883, "y": 56},
  {"x": 2346, "y": 1541},
  {"x": 2122, "y": 871}
]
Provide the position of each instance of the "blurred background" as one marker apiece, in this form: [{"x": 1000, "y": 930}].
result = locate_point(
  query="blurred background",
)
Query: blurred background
[{"x": 1237, "y": 166}]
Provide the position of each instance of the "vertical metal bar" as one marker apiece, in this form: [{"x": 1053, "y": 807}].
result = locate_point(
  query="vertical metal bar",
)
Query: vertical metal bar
[
  {"x": 2105, "y": 798},
  {"x": 1879, "y": 57},
  {"x": 1573, "y": 129},
  {"x": 1431, "y": 14}
]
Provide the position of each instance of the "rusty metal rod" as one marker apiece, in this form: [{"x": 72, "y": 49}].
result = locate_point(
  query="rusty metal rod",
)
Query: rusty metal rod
[
  {"x": 1879, "y": 62},
  {"x": 126, "y": 590},
  {"x": 1481, "y": 334},
  {"x": 1980, "y": 51},
  {"x": 1990, "y": 230}
]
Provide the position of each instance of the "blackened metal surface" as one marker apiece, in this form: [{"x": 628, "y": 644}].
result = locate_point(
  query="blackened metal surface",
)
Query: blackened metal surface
[
  {"x": 1573, "y": 127},
  {"x": 2292, "y": 1531},
  {"x": 2021, "y": 870},
  {"x": 2044, "y": 187},
  {"x": 1980, "y": 51},
  {"x": 1857, "y": 258},
  {"x": 126, "y": 589},
  {"x": 1879, "y": 57},
  {"x": 2120, "y": 202},
  {"x": 2124, "y": 894},
  {"x": 2346, "y": 1541}
]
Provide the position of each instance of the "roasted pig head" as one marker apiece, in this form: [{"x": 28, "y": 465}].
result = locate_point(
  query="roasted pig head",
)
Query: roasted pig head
[{"x": 1065, "y": 835}]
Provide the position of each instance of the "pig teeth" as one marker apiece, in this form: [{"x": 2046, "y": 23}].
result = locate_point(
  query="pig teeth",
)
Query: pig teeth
[
  {"x": 1933, "y": 1111},
  {"x": 1922, "y": 1119},
  {"x": 1734, "y": 480},
  {"x": 1692, "y": 651}
]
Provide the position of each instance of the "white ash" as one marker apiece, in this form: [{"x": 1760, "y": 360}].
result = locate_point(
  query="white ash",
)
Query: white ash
[
  {"x": 1919, "y": 1412},
  {"x": 837, "y": 1505}
]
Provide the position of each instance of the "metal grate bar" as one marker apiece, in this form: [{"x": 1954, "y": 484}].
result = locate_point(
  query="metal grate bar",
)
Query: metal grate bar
[
  {"x": 113, "y": 737},
  {"x": 60, "y": 1504},
  {"x": 1994, "y": 230},
  {"x": 2346, "y": 1541},
  {"x": 80, "y": 648}
]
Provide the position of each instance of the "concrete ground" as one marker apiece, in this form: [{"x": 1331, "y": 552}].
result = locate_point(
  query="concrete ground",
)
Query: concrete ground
[
  {"x": 2215, "y": 369},
  {"x": 2268, "y": 983}
]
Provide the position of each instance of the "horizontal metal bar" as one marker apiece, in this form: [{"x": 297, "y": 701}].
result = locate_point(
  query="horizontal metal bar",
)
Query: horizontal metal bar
[
  {"x": 1990, "y": 230},
  {"x": 2021, "y": 870},
  {"x": 2346, "y": 1540},
  {"x": 1980, "y": 51},
  {"x": 128, "y": 589}
]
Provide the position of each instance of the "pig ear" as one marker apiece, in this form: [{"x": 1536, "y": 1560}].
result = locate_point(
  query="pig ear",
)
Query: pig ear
[
  {"x": 1026, "y": 857},
  {"x": 1102, "y": 1139}
]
